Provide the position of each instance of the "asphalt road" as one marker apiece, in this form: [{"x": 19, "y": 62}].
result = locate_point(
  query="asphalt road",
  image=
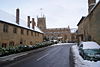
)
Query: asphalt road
[{"x": 53, "y": 56}]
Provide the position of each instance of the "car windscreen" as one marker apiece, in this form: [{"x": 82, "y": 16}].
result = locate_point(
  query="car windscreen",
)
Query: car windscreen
[{"x": 92, "y": 51}]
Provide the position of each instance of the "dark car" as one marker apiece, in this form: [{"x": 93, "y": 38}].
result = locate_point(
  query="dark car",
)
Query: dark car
[{"x": 90, "y": 51}]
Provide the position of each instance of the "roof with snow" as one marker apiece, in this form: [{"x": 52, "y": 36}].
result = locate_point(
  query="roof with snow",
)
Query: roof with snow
[
  {"x": 11, "y": 19},
  {"x": 80, "y": 21},
  {"x": 73, "y": 30},
  {"x": 83, "y": 17}
]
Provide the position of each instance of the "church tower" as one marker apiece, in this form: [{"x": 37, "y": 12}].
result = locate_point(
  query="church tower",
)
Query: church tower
[
  {"x": 41, "y": 23},
  {"x": 91, "y": 4}
]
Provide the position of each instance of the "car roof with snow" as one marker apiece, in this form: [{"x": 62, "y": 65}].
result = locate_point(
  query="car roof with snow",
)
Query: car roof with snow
[{"x": 90, "y": 45}]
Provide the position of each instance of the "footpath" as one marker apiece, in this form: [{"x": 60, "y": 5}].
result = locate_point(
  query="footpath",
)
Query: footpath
[{"x": 16, "y": 57}]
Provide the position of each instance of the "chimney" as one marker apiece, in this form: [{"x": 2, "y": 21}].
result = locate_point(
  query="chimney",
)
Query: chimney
[
  {"x": 33, "y": 23},
  {"x": 28, "y": 21},
  {"x": 91, "y": 4},
  {"x": 17, "y": 15}
]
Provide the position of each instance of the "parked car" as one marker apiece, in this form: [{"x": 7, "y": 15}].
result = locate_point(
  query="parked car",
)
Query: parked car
[{"x": 90, "y": 51}]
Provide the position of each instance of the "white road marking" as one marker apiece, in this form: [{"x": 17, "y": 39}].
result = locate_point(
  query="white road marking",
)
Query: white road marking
[{"x": 42, "y": 57}]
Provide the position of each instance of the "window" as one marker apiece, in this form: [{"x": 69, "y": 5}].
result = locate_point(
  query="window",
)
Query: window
[
  {"x": 38, "y": 34},
  {"x": 31, "y": 43},
  {"x": 14, "y": 30},
  {"x": 22, "y": 31},
  {"x": 32, "y": 33},
  {"x": 4, "y": 45},
  {"x": 11, "y": 43},
  {"x": 5, "y": 28},
  {"x": 81, "y": 46},
  {"x": 21, "y": 42},
  {"x": 27, "y": 32},
  {"x": 35, "y": 33}
]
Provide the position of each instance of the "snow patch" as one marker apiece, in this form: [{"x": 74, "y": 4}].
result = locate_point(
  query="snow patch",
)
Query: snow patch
[
  {"x": 80, "y": 62},
  {"x": 73, "y": 30}
]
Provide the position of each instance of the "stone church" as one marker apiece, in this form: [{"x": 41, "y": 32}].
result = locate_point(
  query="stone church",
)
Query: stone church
[{"x": 61, "y": 34}]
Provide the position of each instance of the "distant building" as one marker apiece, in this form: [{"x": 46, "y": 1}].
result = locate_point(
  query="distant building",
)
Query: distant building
[
  {"x": 88, "y": 27},
  {"x": 41, "y": 23},
  {"x": 61, "y": 34},
  {"x": 14, "y": 31},
  {"x": 74, "y": 35}
]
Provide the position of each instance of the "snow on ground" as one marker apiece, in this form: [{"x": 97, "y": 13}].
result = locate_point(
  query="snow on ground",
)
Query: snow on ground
[{"x": 80, "y": 62}]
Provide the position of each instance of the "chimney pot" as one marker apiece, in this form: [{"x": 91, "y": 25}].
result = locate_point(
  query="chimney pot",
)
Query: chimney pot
[
  {"x": 91, "y": 4},
  {"x": 28, "y": 21},
  {"x": 33, "y": 23},
  {"x": 17, "y": 15}
]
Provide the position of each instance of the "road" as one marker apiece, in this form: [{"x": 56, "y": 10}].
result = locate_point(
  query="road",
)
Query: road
[{"x": 52, "y": 56}]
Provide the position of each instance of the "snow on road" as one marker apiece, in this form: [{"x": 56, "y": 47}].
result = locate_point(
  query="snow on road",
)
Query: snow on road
[{"x": 80, "y": 62}]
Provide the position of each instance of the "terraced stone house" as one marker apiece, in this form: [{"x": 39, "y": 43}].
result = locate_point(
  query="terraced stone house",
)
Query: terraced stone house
[{"x": 15, "y": 31}]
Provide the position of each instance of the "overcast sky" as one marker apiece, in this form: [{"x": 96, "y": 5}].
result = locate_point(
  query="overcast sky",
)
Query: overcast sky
[{"x": 59, "y": 13}]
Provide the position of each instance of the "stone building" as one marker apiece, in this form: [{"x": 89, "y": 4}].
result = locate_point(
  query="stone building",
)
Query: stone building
[
  {"x": 61, "y": 34},
  {"x": 15, "y": 31},
  {"x": 81, "y": 29},
  {"x": 74, "y": 35},
  {"x": 88, "y": 26},
  {"x": 41, "y": 23}
]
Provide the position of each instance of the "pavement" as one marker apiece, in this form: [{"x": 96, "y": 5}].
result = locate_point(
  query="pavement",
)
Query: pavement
[
  {"x": 13, "y": 56},
  {"x": 72, "y": 61},
  {"x": 52, "y": 56}
]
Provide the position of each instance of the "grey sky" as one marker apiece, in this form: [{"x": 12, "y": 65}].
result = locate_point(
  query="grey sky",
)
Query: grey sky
[{"x": 59, "y": 13}]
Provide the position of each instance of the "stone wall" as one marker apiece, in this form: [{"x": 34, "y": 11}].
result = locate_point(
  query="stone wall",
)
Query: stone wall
[
  {"x": 94, "y": 21},
  {"x": 90, "y": 27}
]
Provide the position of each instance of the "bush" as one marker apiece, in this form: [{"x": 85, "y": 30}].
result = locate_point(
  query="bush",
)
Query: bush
[
  {"x": 3, "y": 52},
  {"x": 22, "y": 48}
]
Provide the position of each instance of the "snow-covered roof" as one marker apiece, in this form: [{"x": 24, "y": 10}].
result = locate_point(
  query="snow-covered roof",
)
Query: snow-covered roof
[
  {"x": 37, "y": 29},
  {"x": 9, "y": 18},
  {"x": 73, "y": 30},
  {"x": 90, "y": 45}
]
